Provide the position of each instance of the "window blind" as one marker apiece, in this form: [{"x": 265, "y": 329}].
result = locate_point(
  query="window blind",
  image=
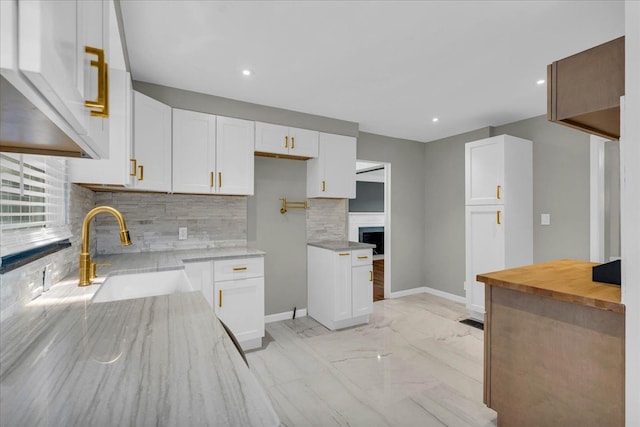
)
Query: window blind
[{"x": 34, "y": 200}]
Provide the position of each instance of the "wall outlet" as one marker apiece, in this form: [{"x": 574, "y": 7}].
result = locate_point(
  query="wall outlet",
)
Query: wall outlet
[
  {"x": 545, "y": 219},
  {"x": 182, "y": 233}
]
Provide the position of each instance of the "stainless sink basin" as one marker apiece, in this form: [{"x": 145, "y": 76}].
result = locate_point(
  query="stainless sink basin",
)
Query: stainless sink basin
[{"x": 140, "y": 285}]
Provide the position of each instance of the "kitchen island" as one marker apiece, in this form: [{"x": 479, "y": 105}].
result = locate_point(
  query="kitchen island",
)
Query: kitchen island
[
  {"x": 163, "y": 360},
  {"x": 554, "y": 346}
]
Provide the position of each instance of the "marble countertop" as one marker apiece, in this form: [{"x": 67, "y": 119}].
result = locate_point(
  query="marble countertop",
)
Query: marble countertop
[
  {"x": 341, "y": 245},
  {"x": 565, "y": 280},
  {"x": 162, "y": 360}
]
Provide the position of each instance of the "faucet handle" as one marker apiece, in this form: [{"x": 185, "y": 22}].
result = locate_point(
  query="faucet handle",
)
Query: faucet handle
[{"x": 94, "y": 269}]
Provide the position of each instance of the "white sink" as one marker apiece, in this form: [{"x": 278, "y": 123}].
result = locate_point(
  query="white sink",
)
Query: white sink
[{"x": 140, "y": 285}]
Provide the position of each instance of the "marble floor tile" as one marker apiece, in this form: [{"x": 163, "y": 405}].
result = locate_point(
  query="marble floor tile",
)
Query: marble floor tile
[{"x": 413, "y": 364}]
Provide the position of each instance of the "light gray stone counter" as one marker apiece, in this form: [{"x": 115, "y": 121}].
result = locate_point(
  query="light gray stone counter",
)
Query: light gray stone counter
[
  {"x": 149, "y": 361},
  {"x": 341, "y": 245}
]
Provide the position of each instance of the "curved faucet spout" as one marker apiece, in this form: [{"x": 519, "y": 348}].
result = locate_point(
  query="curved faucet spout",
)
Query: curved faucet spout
[{"x": 85, "y": 257}]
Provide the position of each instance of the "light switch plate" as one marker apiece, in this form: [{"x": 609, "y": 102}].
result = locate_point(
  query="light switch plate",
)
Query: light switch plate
[
  {"x": 182, "y": 233},
  {"x": 545, "y": 219}
]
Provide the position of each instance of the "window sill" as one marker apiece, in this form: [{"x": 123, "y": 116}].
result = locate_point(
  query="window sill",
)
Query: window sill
[{"x": 17, "y": 260}]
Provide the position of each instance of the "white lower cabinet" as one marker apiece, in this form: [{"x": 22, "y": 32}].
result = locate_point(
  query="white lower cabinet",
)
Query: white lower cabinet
[
  {"x": 340, "y": 286},
  {"x": 235, "y": 290}
]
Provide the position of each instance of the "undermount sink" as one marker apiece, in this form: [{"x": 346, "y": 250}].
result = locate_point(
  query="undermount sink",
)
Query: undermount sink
[{"x": 140, "y": 285}]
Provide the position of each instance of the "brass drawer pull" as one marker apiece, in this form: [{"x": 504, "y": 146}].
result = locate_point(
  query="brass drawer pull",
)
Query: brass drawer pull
[
  {"x": 239, "y": 268},
  {"x": 293, "y": 143},
  {"x": 99, "y": 107},
  {"x": 133, "y": 170},
  {"x": 344, "y": 254},
  {"x": 370, "y": 276},
  {"x": 220, "y": 179},
  {"x": 498, "y": 188},
  {"x": 286, "y": 142},
  {"x": 498, "y": 221},
  {"x": 141, "y": 169},
  {"x": 363, "y": 257},
  {"x": 220, "y": 298},
  {"x": 324, "y": 186},
  {"x": 212, "y": 179}
]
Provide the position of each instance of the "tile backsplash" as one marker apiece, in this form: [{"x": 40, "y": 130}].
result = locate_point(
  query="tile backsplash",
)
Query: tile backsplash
[
  {"x": 327, "y": 219},
  {"x": 153, "y": 220},
  {"x": 19, "y": 286}
]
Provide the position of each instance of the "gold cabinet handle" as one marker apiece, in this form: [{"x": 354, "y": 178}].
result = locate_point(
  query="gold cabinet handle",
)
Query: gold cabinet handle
[
  {"x": 220, "y": 298},
  {"x": 344, "y": 254},
  {"x": 286, "y": 142},
  {"x": 363, "y": 257},
  {"x": 293, "y": 143},
  {"x": 141, "y": 169},
  {"x": 498, "y": 221},
  {"x": 99, "y": 107},
  {"x": 324, "y": 186},
  {"x": 219, "y": 179},
  {"x": 134, "y": 169},
  {"x": 498, "y": 188},
  {"x": 370, "y": 276},
  {"x": 213, "y": 180},
  {"x": 239, "y": 268}
]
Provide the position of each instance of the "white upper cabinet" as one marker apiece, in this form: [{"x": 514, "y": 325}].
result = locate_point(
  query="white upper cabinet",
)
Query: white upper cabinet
[
  {"x": 286, "y": 141},
  {"x": 333, "y": 173},
  {"x": 234, "y": 155},
  {"x": 52, "y": 39},
  {"x": 212, "y": 154},
  {"x": 114, "y": 170},
  {"x": 151, "y": 162},
  {"x": 194, "y": 144},
  {"x": 485, "y": 172}
]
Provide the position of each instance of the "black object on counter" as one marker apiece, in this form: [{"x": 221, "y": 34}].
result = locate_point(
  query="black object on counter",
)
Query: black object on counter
[{"x": 607, "y": 273}]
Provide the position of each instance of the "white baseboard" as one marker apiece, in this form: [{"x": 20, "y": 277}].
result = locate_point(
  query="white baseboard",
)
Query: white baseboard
[
  {"x": 302, "y": 312},
  {"x": 427, "y": 290}
]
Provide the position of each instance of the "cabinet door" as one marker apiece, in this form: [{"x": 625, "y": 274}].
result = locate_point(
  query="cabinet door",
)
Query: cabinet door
[
  {"x": 484, "y": 171},
  {"x": 240, "y": 305},
  {"x": 271, "y": 138},
  {"x": 362, "y": 290},
  {"x": 303, "y": 142},
  {"x": 333, "y": 173},
  {"x": 51, "y": 55},
  {"x": 93, "y": 23},
  {"x": 234, "y": 156},
  {"x": 151, "y": 143},
  {"x": 485, "y": 249},
  {"x": 193, "y": 144},
  {"x": 200, "y": 275},
  {"x": 342, "y": 286}
]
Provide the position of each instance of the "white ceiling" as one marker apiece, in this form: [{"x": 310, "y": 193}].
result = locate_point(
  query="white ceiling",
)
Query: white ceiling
[{"x": 390, "y": 66}]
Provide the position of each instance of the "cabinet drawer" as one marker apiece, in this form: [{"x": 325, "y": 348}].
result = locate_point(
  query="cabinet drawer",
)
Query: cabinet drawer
[
  {"x": 239, "y": 268},
  {"x": 361, "y": 257}
]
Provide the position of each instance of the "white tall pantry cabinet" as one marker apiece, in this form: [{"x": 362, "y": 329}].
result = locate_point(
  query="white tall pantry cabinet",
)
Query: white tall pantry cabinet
[{"x": 498, "y": 211}]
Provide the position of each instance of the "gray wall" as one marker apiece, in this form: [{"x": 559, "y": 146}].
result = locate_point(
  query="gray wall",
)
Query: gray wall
[
  {"x": 194, "y": 101},
  {"x": 282, "y": 237},
  {"x": 407, "y": 204},
  {"x": 560, "y": 188},
  {"x": 444, "y": 257}
]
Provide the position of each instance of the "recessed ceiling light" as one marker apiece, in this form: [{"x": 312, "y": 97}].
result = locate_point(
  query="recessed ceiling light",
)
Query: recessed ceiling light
[
  {"x": 540, "y": 82},
  {"x": 247, "y": 73},
  {"x": 435, "y": 120}
]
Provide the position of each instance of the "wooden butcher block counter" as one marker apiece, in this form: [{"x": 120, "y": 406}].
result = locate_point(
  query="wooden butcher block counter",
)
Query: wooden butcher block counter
[{"x": 554, "y": 346}]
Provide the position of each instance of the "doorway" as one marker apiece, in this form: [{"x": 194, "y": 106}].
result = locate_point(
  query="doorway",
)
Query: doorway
[{"x": 369, "y": 220}]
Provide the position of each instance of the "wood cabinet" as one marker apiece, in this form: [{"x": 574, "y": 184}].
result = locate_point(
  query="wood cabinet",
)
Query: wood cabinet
[
  {"x": 584, "y": 90},
  {"x": 212, "y": 154},
  {"x": 283, "y": 141},
  {"x": 340, "y": 286},
  {"x": 44, "y": 58},
  {"x": 235, "y": 290},
  {"x": 333, "y": 173},
  {"x": 151, "y": 161},
  {"x": 498, "y": 211}
]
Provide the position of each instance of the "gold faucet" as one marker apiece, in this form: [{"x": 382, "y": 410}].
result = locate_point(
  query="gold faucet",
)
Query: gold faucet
[{"x": 87, "y": 267}]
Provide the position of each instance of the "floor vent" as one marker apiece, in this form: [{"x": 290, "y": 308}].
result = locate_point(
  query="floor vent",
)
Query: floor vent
[{"x": 474, "y": 323}]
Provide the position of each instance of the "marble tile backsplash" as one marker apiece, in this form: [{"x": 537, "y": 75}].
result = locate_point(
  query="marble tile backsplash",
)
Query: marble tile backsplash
[
  {"x": 21, "y": 285},
  {"x": 153, "y": 220},
  {"x": 327, "y": 219}
]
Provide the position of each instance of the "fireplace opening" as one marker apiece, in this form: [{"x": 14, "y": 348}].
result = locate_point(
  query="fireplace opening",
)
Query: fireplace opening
[{"x": 373, "y": 235}]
